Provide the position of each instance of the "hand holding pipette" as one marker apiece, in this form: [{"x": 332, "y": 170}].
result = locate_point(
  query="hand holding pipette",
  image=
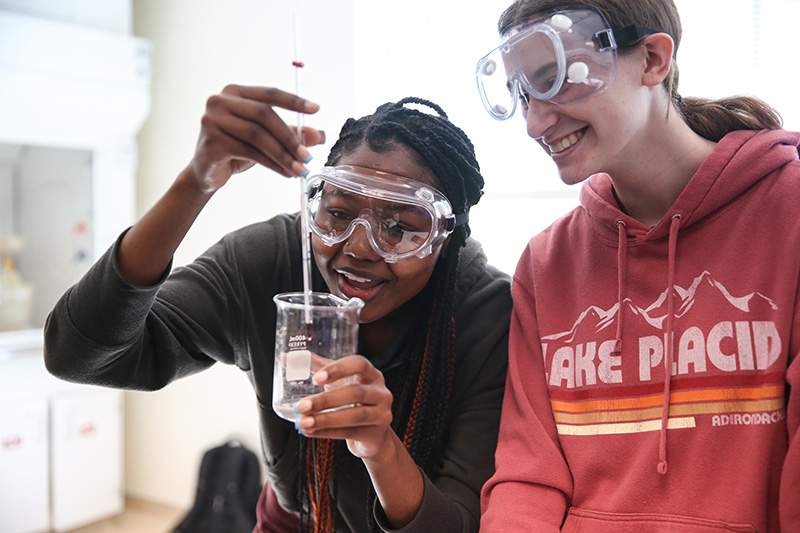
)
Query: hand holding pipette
[{"x": 241, "y": 127}]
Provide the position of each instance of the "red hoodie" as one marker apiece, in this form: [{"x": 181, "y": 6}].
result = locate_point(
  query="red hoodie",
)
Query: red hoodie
[{"x": 595, "y": 435}]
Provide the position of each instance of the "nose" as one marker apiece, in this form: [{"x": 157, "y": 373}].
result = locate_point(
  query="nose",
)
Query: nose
[
  {"x": 358, "y": 246},
  {"x": 540, "y": 117}
]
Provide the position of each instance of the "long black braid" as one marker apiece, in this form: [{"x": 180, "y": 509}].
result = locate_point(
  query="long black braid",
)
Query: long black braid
[{"x": 422, "y": 393}]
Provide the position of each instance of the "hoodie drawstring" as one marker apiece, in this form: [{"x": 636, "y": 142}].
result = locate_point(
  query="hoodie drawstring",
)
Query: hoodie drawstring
[
  {"x": 674, "y": 226},
  {"x": 622, "y": 247}
]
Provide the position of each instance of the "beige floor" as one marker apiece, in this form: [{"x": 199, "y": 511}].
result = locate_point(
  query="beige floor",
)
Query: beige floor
[{"x": 139, "y": 517}]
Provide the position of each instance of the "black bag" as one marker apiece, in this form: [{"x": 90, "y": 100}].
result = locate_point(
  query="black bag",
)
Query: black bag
[{"x": 227, "y": 492}]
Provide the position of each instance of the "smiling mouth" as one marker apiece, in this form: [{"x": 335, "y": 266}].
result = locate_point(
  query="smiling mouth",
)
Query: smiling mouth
[
  {"x": 567, "y": 142},
  {"x": 355, "y": 285},
  {"x": 352, "y": 277}
]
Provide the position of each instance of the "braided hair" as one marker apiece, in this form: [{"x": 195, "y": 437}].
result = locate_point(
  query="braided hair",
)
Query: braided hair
[{"x": 423, "y": 388}]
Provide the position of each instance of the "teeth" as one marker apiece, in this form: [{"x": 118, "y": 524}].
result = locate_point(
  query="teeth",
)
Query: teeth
[
  {"x": 352, "y": 277},
  {"x": 566, "y": 142}
]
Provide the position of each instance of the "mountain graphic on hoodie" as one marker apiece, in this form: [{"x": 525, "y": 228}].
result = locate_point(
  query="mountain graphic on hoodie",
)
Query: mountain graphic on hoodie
[{"x": 703, "y": 288}]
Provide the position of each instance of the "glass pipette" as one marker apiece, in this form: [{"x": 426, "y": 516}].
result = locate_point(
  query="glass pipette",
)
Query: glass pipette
[{"x": 306, "y": 234}]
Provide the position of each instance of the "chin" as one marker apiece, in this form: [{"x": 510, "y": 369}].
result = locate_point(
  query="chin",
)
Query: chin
[
  {"x": 569, "y": 178},
  {"x": 368, "y": 317}
]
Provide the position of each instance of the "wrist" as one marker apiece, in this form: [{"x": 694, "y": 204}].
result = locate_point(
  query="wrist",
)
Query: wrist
[
  {"x": 398, "y": 482},
  {"x": 388, "y": 453},
  {"x": 190, "y": 183}
]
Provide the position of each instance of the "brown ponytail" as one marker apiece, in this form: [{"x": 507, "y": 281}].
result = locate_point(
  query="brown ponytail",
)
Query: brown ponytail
[{"x": 713, "y": 119}]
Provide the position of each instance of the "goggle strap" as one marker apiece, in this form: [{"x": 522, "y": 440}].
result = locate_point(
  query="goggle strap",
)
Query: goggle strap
[
  {"x": 623, "y": 36},
  {"x": 459, "y": 219}
]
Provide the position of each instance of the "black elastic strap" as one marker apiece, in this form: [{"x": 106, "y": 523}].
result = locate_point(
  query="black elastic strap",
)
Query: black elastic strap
[
  {"x": 631, "y": 34},
  {"x": 459, "y": 219}
]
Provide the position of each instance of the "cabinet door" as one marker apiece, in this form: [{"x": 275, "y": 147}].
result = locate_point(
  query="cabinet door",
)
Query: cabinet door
[
  {"x": 23, "y": 465},
  {"x": 86, "y": 452}
]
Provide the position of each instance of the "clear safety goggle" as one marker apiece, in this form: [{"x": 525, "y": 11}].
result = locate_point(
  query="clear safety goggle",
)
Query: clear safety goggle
[
  {"x": 562, "y": 57},
  {"x": 401, "y": 217}
]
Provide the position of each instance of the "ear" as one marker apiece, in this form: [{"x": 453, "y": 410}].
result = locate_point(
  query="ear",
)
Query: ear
[{"x": 658, "y": 49}]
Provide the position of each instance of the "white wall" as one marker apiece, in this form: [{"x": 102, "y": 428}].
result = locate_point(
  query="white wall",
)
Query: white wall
[{"x": 358, "y": 54}]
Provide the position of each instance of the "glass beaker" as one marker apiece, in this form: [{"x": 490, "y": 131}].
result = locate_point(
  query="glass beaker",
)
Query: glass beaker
[{"x": 302, "y": 348}]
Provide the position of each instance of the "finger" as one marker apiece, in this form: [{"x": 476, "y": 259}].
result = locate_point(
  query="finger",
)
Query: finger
[
  {"x": 354, "y": 433},
  {"x": 226, "y": 137},
  {"x": 260, "y": 144},
  {"x": 357, "y": 416},
  {"x": 259, "y": 125},
  {"x": 275, "y": 97},
  {"x": 352, "y": 365},
  {"x": 311, "y": 136},
  {"x": 346, "y": 396},
  {"x": 272, "y": 123},
  {"x": 231, "y": 149}
]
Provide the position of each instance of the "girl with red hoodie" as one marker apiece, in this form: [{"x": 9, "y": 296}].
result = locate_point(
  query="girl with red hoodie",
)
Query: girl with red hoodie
[{"x": 654, "y": 339}]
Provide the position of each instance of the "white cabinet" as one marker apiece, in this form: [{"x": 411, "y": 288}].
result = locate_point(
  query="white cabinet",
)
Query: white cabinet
[
  {"x": 86, "y": 455},
  {"x": 61, "y": 463},
  {"x": 24, "y": 461}
]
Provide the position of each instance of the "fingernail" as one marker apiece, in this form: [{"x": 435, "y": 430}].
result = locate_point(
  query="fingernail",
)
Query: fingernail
[
  {"x": 305, "y": 422},
  {"x": 323, "y": 137},
  {"x": 302, "y": 406},
  {"x": 299, "y": 169},
  {"x": 320, "y": 377},
  {"x": 304, "y": 154},
  {"x": 297, "y": 425}
]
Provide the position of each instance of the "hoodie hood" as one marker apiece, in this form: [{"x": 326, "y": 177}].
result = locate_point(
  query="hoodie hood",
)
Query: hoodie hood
[{"x": 740, "y": 159}]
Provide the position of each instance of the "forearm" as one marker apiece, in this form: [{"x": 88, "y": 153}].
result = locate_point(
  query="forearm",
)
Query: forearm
[
  {"x": 398, "y": 482},
  {"x": 147, "y": 249},
  {"x": 532, "y": 486},
  {"x": 91, "y": 333}
]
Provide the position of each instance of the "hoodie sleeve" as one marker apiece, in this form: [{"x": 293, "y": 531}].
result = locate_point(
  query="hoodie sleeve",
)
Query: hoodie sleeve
[
  {"x": 789, "y": 499},
  {"x": 532, "y": 486},
  {"x": 107, "y": 331}
]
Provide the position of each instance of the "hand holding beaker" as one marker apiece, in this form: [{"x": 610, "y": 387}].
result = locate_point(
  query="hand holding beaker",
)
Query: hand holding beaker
[{"x": 356, "y": 406}]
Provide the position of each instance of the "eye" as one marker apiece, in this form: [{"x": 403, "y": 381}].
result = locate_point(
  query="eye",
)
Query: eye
[
  {"x": 544, "y": 78},
  {"x": 331, "y": 217},
  {"x": 394, "y": 228},
  {"x": 339, "y": 214}
]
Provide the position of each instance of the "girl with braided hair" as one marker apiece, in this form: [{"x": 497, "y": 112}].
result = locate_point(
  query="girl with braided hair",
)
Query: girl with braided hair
[{"x": 409, "y": 443}]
